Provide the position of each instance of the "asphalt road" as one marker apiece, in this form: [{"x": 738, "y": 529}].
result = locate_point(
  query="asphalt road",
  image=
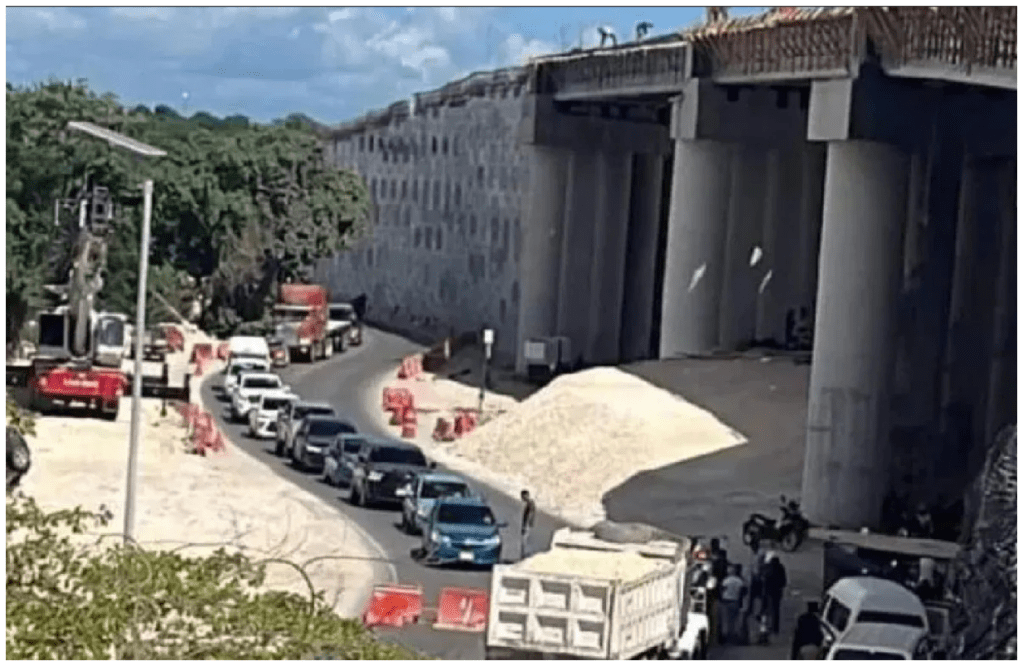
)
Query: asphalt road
[{"x": 341, "y": 382}]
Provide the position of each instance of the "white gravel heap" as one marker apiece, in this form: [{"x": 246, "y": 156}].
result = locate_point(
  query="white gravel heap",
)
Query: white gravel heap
[
  {"x": 624, "y": 566},
  {"x": 586, "y": 433}
]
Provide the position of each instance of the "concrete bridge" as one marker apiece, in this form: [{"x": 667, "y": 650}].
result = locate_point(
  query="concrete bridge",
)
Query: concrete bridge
[{"x": 846, "y": 171}]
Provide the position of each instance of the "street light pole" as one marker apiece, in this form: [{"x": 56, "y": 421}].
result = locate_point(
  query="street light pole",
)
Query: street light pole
[
  {"x": 136, "y": 389},
  {"x": 488, "y": 341}
]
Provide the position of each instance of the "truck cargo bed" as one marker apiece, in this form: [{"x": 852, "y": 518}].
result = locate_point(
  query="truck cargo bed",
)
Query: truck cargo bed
[{"x": 564, "y": 615}]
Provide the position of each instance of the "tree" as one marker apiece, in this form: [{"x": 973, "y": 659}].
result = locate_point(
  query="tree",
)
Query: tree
[
  {"x": 236, "y": 206},
  {"x": 69, "y": 600}
]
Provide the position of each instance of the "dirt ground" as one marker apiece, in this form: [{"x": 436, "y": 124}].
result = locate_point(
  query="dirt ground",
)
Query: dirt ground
[
  {"x": 197, "y": 504},
  {"x": 762, "y": 397}
]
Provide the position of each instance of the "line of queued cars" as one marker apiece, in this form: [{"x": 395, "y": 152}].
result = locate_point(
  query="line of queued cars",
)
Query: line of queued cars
[{"x": 453, "y": 521}]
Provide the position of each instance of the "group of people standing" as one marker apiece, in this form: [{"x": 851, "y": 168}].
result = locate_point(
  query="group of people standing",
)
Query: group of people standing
[{"x": 740, "y": 599}]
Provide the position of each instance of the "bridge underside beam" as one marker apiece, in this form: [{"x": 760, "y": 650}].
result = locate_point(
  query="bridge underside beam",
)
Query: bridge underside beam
[
  {"x": 706, "y": 111},
  {"x": 543, "y": 125}
]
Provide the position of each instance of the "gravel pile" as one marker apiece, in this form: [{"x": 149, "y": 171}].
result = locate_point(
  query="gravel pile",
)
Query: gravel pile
[
  {"x": 615, "y": 566},
  {"x": 586, "y": 433}
]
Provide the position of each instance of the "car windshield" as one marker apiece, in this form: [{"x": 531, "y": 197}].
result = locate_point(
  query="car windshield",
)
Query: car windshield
[
  {"x": 246, "y": 367},
  {"x": 884, "y": 617},
  {"x": 270, "y": 404},
  {"x": 302, "y": 412},
  {"x": 329, "y": 428},
  {"x": 871, "y": 655},
  {"x": 353, "y": 444},
  {"x": 435, "y": 489},
  {"x": 397, "y": 456},
  {"x": 261, "y": 382},
  {"x": 291, "y": 313},
  {"x": 460, "y": 514},
  {"x": 340, "y": 313}
]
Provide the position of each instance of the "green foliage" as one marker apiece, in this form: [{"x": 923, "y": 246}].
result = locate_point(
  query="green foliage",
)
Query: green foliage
[
  {"x": 69, "y": 599},
  {"x": 236, "y": 206},
  {"x": 23, "y": 420}
]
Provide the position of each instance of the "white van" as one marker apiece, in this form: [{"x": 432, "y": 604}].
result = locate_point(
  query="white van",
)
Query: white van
[
  {"x": 872, "y": 642},
  {"x": 867, "y": 600},
  {"x": 250, "y": 346}
]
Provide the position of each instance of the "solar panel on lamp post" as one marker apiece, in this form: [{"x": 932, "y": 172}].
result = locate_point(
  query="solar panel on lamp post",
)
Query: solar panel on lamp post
[{"x": 139, "y": 150}]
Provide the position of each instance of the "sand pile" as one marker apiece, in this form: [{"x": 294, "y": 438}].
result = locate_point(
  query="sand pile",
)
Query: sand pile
[
  {"x": 586, "y": 433},
  {"x": 197, "y": 504},
  {"x": 615, "y": 566}
]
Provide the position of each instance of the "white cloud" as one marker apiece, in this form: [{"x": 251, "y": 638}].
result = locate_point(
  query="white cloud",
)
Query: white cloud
[
  {"x": 25, "y": 21},
  {"x": 294, "y": 33},
  {"x": 517, "y": 50},
  {"x": 342, "y": 14}
]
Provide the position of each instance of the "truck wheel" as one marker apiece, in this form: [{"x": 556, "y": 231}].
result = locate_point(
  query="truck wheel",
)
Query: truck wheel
[
  {"x": 328, "y": 348},
  {"x": 109, "y": 411},
  {"x": 343, "y": 343},
  {"x": 278, "y": 448}
]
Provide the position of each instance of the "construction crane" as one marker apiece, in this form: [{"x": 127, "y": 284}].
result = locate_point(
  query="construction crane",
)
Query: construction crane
[{"x": 73, "y": 364}]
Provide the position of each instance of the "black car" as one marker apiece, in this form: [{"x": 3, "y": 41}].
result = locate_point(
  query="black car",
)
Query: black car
[
  {"x": 289, "y": 418},
  {"x": 382, "y": 468},
  {"x": 314, "y": 436}
]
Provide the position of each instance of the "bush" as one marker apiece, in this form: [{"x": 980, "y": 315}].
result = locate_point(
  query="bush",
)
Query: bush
[{"x": 72, "y": 597}]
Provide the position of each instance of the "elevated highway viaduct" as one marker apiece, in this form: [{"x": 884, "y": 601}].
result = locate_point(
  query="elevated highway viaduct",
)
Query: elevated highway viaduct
[{"x": 842, "y": 179}]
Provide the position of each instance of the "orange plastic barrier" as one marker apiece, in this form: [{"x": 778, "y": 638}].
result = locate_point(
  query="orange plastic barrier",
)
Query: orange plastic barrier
[
  {"x": 408, "y": 422},
  {"x": 462, "y": 609},
  {"x": 411, "y": 366},
  {"x": 201, "y": 351},
  {"x": 393, "y": 606},
  {"x": 465, "y": 422},
  {"x": 222, "y": 349}
]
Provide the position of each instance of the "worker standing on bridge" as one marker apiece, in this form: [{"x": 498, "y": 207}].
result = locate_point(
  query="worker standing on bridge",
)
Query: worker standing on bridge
[{"x": 528, "y": 519}]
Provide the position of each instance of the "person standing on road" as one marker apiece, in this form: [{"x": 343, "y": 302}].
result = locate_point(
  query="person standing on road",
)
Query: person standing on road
[
  {"x": 528, "y": 519},
  {"x": 733, "y": 589},
  {"x": 774, "y": 582},
  {"x": 808, "y": 630}
]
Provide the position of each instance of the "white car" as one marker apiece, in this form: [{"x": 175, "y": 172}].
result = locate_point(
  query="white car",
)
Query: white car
[
  {"x": 263, "y": 419},
  {"x": 239, "y": 365},
  {"x": 251, "y": 388}
]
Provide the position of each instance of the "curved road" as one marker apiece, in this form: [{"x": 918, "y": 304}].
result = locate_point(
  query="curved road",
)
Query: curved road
[{"x": 341, "y": 382}]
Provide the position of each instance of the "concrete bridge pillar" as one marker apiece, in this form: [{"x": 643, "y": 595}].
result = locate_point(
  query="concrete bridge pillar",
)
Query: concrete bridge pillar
[
  {"x": 694, "y": 255},
  {"x": 811, "y": 206},
  {"x": 607, "y": 271},
  {"x": 1001, "y": 407},
  {"x": 542, "y": 238},
  {"x": 968, "y": 354},
  {"x": 641, "y": 256},
  {"x": 845, "y": 474},
  {"x": 738, "y": 311},
  {"x": 575, "y": 289},
  {"x": 777, "y": 270}
]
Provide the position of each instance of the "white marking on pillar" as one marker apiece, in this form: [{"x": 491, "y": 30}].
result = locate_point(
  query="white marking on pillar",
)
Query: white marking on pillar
[
  {"x": 607, "y": 276},
  {"x": 696, "y": 235},
  {"x": 540, "y": 259},
  {"x": 641, "y": 262},
  {"x": 845, "y": 469},
  {"x": 574, "y": 287},
  {"x": 748, "y": 191}
]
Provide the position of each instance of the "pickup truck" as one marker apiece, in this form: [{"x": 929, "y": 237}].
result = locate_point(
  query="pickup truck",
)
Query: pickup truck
[
  {"x": 381, "y": 469},
  {"x": 289, "y": 418},
  {"x": 343, "y": 326},
  {"x": 235, "y": 367},
  {"x": 263, "y": 418},
  {"x": 606, "y": 594}
]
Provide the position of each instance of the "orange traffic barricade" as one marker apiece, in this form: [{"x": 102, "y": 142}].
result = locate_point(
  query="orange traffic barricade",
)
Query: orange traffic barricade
[
  {"x": 393, "y": 606},
  {"x": 222, "y": 350},
  {"x": 462, "y": 609}
]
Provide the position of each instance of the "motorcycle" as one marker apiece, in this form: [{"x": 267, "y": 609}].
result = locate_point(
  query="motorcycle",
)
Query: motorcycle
[{"x": 789, "y": 532}]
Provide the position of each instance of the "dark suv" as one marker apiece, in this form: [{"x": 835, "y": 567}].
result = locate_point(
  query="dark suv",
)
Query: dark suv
[
  {"x": 382, "y": 468},
  {"x": 313, "y": 437}
]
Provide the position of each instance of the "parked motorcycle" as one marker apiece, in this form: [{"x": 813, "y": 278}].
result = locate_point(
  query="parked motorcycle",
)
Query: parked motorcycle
[{"x": 789, "y": 532}]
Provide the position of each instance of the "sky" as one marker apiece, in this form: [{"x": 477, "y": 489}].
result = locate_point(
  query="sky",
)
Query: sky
[{"x": 330, "y": 63}]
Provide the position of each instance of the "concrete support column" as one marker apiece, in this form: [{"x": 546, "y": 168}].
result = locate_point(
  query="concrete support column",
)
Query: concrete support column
[
  {"x": 574, "y": 287},
  {"x": 1001, "y": 406},
  {"x": 811, "y": 208},
  {"x": 694, "y": 256},
  {"x": 845, "y": 474},
  {"x": 781, "y": 220},
  {"x": 641, "y": 256},
  {"x": 969, "y": 350},
  {"x": 542, "y": 237},
  {"x": 738, "y": 313},
  {"x": 607, "y": 269}
]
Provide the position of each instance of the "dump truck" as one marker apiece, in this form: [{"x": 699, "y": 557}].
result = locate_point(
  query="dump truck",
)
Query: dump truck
[{"x": 611, "y": 592}]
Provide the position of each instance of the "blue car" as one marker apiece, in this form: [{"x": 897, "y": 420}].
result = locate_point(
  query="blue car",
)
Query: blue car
[
  {"x": 461, "y": 529},
  {"x": 423, "y": 492}
]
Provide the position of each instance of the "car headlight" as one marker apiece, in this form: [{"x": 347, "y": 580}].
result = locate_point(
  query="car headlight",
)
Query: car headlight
[
  {"x": 435, "y": 536},
  {"x": 492, "y": 541},
  {"x": 374, "y": 476},
  {"x": 423, "y": 513}
]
